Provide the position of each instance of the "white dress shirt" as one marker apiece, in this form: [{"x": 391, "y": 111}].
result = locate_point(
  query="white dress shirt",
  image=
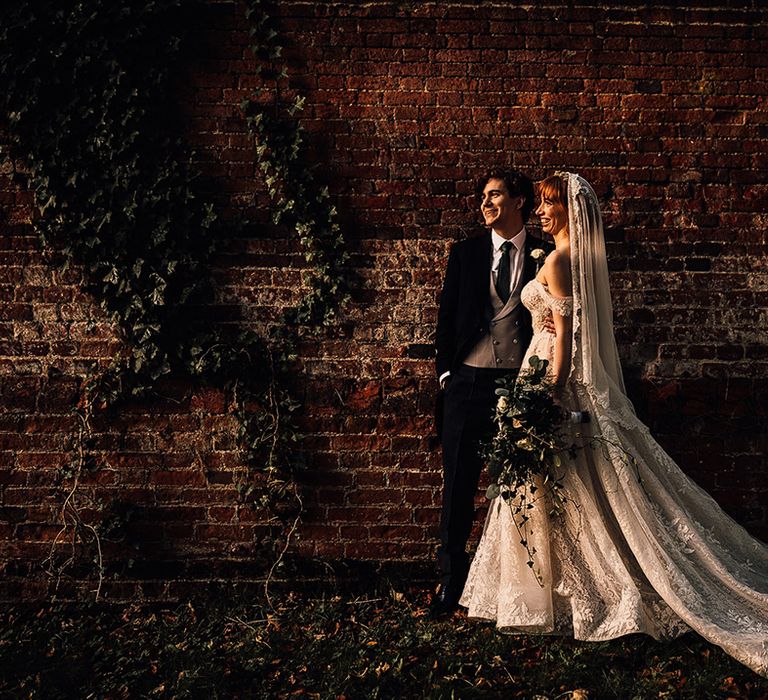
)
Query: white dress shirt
[{"x": 517, "y": 258}]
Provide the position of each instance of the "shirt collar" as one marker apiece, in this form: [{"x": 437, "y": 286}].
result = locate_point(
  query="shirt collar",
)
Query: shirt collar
[{"x": 518, "y": 240}]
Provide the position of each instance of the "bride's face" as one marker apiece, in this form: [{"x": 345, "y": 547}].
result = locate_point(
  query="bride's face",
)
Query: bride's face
[{"x": 552, "y": 215}]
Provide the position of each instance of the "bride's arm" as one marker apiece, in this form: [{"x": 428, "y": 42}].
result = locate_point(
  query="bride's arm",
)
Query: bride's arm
[
  {"x": 562, "y": 348},
  {"x": 559, "y": 282}
]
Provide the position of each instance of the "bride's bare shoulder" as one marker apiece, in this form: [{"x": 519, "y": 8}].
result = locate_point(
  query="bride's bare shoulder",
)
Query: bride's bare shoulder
[{"x": 557, "y": 269}]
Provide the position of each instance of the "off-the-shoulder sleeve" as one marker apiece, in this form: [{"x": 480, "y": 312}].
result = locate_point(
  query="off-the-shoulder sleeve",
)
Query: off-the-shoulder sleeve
[{"x": 561, "y": 305}]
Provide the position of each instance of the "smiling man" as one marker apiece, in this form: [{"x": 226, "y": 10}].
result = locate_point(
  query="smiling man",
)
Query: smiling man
[{"x": 482, "y": 333}]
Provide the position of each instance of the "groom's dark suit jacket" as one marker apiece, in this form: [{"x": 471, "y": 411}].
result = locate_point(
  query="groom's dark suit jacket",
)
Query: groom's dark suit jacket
[{"x": 465, "y": 300}]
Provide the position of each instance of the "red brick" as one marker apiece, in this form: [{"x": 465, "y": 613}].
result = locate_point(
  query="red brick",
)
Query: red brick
[
  {"x": 662, "y": 109},
  {"x": 177, "y": 478}
]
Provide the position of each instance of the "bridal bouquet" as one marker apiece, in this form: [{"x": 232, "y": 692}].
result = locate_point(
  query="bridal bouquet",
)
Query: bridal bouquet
[{"x": 526, "y": 454}]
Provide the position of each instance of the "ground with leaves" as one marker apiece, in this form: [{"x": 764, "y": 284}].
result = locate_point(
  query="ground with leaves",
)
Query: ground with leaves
[{"x": 382, "y": 645}]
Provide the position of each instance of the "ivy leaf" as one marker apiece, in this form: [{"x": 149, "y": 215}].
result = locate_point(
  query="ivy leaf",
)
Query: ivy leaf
[
  {"x": 297, "y": 106},
  {"x": 112, "y": 276}
]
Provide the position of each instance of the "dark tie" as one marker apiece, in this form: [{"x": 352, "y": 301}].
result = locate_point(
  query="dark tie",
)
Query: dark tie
[{"x": 503, "y": 274}]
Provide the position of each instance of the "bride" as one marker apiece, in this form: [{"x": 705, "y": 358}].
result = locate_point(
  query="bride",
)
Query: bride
[{"x": 641, "y": 548}]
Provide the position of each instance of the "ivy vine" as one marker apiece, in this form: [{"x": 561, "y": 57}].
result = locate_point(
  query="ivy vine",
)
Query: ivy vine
[
  {"x": 293, "y": 188},
  {"x": 86, "y": 91}
]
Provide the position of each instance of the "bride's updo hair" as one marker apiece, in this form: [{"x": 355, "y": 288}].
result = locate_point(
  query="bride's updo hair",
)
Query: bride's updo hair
[{"x": 555, "y": 189}]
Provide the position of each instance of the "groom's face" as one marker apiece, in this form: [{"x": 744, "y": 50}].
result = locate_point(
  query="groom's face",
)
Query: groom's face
[{"x": 500, "y": 210}]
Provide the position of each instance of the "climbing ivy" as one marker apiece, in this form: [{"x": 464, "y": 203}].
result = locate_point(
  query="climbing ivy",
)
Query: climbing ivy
[
  {"x": 87, "y": 91},
  {"x": 296, "y": 196}
]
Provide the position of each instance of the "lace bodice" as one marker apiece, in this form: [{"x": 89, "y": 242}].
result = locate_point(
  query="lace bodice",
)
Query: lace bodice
[{"x": 537, "y": 299}]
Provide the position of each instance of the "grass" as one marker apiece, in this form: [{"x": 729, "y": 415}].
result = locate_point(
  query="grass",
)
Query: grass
[{"x": 340, "y": 647}]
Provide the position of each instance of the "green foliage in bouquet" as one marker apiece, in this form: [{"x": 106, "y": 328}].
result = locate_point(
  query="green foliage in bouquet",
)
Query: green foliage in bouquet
[{"x": 526, "y": 455}]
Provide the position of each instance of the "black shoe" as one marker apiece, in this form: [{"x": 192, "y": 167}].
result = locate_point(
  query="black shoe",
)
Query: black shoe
[{"x": 445, "y": 601}]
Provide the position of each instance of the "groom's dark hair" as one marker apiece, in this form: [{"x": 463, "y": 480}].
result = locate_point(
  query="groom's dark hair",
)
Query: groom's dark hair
[{"x": 517, "y": 184}]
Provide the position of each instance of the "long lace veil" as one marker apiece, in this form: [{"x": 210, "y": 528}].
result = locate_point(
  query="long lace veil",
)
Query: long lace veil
[
  {"x": 595, "y": 364},
  {"x": 705, "y": 566}
]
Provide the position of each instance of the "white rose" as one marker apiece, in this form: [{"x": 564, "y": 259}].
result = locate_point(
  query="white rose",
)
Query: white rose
[
  {"x": 502, "y": 404},
  {"x": 537, "y": 254}
]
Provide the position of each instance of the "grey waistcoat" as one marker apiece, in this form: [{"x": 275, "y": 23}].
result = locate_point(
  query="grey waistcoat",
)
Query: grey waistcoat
[{"x": 500, "y": 347}]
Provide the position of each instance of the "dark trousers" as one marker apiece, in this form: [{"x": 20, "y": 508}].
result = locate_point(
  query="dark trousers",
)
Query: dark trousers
[{"x": 470, "y": 401}]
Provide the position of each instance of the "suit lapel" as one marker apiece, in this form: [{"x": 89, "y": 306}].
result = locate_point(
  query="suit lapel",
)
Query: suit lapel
[{"x": 481, "y": 273}]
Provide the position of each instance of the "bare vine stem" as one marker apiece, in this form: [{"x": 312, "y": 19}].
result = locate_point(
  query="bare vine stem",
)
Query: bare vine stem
[
  {"x": 275, "y": 406},
  {"x": 69, "y": 511},
  {"x": 286, "y": 544}
]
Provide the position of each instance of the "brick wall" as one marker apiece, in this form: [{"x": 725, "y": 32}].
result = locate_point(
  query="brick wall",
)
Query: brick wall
[{"x": 662, "y": 109}]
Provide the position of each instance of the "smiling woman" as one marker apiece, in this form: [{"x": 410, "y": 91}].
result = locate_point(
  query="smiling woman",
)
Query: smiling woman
[{"x": 552, "y": 214}]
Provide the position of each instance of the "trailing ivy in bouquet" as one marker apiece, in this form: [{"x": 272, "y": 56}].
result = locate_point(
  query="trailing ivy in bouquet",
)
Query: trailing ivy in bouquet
[{"x": 527, "y": 454}]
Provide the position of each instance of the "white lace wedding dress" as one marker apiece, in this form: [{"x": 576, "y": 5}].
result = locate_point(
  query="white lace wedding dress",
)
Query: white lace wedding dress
[{"x": 641, "y": 548}]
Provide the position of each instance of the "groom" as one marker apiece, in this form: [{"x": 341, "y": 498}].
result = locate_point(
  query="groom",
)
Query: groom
[{"x": 482, "y": 333}]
